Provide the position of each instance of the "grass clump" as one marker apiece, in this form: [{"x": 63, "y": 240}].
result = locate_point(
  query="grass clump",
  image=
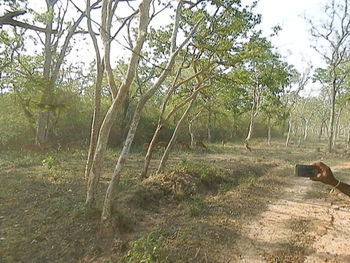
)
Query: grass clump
[
  {"x": 146, "y": 249},
  {"x": 49, "y": 162}
]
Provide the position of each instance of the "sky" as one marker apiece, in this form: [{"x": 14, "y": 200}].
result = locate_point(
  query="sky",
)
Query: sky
[{"x": 294, "y": 40}]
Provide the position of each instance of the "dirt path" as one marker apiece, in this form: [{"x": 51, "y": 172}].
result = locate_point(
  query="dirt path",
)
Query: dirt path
[{"x": 305, "y": 225}]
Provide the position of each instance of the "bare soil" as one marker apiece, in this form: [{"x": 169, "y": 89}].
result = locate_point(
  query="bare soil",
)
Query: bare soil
[{"x": 221, "y": 205}]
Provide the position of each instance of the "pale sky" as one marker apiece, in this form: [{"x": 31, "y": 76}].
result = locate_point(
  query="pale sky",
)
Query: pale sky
[{"x": 294, "y": 40}]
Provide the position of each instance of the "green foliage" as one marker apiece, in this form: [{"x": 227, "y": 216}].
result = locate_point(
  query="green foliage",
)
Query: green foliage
[
  {"x": 50, "y": 161},
  {"x": 146, "y": 249},
  {"x": 15, "y": 130},
  {"x": 45, "y": 17}
]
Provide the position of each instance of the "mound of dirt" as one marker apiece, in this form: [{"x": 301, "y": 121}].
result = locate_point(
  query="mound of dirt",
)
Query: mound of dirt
[
  {"x": 181, "y": 183},
  {"x": 190, "y": 179}
]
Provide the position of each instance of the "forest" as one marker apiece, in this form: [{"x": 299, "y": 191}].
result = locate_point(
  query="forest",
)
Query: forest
[{"x": 150, "y": 131}]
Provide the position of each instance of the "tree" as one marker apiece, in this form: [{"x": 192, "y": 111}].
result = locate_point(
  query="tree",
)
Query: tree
[
  {"x": 96, "y": 118},
  {"x": 265, "y": 77},
  {"x": 334, "y": 32},
  {"x": 174, "y": 50},
  {"x": 9, "y": 19},
  {"x": 163, "y": 116},
  {"x": 118, "y": 94},
  {"x": 292, "y": 97},
  {"x": 200, "y": 84},
  {"x": 55, "y": 36}
]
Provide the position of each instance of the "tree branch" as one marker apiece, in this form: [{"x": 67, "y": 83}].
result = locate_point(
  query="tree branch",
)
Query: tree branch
[{"x": 8, "y": 19}]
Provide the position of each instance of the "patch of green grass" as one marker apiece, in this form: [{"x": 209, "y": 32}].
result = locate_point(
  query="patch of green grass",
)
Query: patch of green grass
[
  {"x": 20, "y": 159},
  {"x": 50, "y": 161},
  {"x": 247, "y": 179},
  {"x": 146, "y": 249}
]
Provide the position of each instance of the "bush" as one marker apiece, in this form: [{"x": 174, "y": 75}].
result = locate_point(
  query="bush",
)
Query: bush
[{"x": 15, "y": 130}]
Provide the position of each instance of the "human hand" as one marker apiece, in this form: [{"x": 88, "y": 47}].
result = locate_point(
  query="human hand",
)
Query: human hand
[{"x": 324, "y": 174}]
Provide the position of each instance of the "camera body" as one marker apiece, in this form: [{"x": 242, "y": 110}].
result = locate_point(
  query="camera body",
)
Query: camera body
[{"x": 303, "y": 170}]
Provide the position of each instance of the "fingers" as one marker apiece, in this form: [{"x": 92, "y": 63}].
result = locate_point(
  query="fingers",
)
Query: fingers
[
  {"x": 321, "y": 168},
  {"x": 316, "y": 177}
]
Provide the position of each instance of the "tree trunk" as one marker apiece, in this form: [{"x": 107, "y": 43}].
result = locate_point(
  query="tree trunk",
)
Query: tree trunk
[
  {"x": 234, "y": 127},
  {"x": 269, "y": 133},
  {"x": 96, "y": 124},
  {"x": 162, "y": 120},
  {"x": 306, "y": 129},
  {"x": 96, "y": 166},
  {"x": 251, "y": 126},
  {"x": 96, "y": 120},
  {"x": 332, "y": 118},
  {"x": 166, "y": 153},
  {"x": 289, "y": 132},
  {"x": 150, "y": 148},
  {"x": 209, "y": 125},
  {"x": 337, "y": 123},
  {"x": 190, "y": 128},
  {"x": 110, "y": 193},
  {"x": 42, "y": 133},
  {"x": 320, "y": 131}
]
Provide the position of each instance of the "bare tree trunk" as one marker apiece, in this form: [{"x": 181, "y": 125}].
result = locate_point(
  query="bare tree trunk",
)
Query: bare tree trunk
[
  {"x": 96, "y": 120},
  {"x": 110, "y": 193},
  {"x": 306, "y": 129},
  {"x": 96, "y": 123},
  {"x": 234, "y": 126},
  {"x": 331, "y": 120},
  {"x": 166, "y": 153},
  {"x": 148, "y": 156},
  {"x": 44, "y": 115},
  {"x": 42, "y": 132},
  {"x": 336, "y": 132},
  {"x": 269, "y": 133},
  {"x": 190, "y": 128},
  {"x": 95, "y": 171},
  {"x": 209, "y": 125},
  {"x": 162, "y": 120},
  {"x": 320, "y": 131},
  {"x": 299, "y": 140},
  {"x": 251, "y": 125},
  {"x": 289, "y": 132}
]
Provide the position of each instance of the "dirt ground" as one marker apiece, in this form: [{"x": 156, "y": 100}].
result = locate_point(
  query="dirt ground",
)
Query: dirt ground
[
  {"x": 304, "y": 216},
  {"x": 221, "y": 205}
]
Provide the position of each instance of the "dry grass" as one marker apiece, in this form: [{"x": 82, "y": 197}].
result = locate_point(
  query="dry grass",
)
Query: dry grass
[{"x": 191, "y": 213}]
